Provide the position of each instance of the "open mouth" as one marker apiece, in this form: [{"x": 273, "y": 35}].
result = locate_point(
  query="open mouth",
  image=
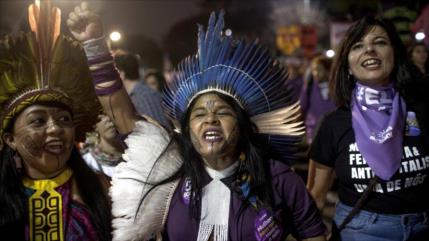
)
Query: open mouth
[
  {"x": 371, "y": 63},
  {"x": 55, "y": 147},
  {"x": 212, "y": 136}
]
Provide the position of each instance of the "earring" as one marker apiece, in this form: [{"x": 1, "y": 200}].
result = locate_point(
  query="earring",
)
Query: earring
[
  {"x": 18, "y": 161},
  {"x": 242, "y": 157},
  {"x": 350, "y": 77}
]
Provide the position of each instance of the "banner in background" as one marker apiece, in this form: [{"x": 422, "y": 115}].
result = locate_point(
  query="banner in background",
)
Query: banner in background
[{"x": 337, "y": 32}]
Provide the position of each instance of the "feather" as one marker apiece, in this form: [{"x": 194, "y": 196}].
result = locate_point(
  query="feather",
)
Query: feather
[
  {"x": 245, "y": 71},
  {"x": 151, "y": 157},
  {"x": 33, "y": 17},
  {"x": 45, "y": 22},
  {"x": 42, "y": 62}
]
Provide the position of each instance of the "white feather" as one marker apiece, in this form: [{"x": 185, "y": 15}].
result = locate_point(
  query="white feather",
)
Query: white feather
[{"x": 143, "y": 163}]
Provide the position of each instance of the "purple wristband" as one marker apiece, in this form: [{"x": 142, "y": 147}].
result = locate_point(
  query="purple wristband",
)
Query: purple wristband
[
  {"x": 117, "y": 85},
  {"x": 105, "y": 74},
  {"x": 100, "y": 59}
]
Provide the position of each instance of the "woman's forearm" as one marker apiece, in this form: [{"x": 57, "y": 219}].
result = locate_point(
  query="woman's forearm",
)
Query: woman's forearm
[
  {"x": 108, "y": 86},
  {"x": 320, "y": 180}
]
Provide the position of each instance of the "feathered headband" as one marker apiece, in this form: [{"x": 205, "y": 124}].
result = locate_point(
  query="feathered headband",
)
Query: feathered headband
[
  {"x": 246, "y": 72},
  {"x": 44, "y": 67}
]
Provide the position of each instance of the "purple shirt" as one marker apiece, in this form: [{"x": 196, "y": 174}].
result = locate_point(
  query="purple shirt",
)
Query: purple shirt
[
  {"x": 295, "y": 212},
  {"x": 295, "y": 86},
  {"x": 314, "y": 104}
]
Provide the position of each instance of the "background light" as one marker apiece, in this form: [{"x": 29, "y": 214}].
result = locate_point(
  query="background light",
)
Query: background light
[
  {"x": 228, "y": 32},
  {"x": 330, "y": 53},
  {"x": 420, "y": 36},
  {"x": 115, "y": 36}
]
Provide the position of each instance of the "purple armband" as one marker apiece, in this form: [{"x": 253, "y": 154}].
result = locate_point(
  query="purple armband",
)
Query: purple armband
[
  {"x": 117, "y": 85},
  {"x": 103, "y": 70}
]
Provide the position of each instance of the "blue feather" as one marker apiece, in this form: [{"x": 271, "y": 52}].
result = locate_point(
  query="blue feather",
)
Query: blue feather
[{"x": 245, "y": 70}]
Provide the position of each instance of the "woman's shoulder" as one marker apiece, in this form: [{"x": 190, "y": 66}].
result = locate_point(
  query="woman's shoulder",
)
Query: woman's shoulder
[
  {"x": 339, "y": 113},
  {"x": 281, "y": 172},
  {"x": 278, "y": 167},
  {"x": 340, "y": 117}
]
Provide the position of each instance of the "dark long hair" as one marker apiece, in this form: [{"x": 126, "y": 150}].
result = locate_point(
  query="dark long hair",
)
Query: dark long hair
[
  {"x": 410, "y": 51},
  {"x": 13, "y": 210},
  {"x": 159, "y": 76},
  {"x": 12, "y": 205},
  {"x": 341, "y": 83},
  {"x": 256, "y": 164}
]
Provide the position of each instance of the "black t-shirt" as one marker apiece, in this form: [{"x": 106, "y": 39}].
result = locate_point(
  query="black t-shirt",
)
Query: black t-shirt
[{"x": 406, "y": 192}]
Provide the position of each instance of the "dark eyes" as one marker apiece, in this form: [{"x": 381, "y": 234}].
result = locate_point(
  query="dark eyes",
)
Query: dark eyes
[
  {"x": 65, "y": 119},
  {"x": 39, "y": 121}
]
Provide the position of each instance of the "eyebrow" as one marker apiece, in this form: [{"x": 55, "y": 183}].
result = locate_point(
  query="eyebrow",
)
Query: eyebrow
[
  {"x": 381, "y": 36},
  {"x": 36, "y": 112},
  {"x": 45, "y": 112},
  {"x": 198, "y": 108},
  {"x": 216, "y": 107}
]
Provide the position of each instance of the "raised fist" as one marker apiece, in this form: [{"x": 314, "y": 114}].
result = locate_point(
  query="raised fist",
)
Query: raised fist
[{"x": 84, "y": 24}]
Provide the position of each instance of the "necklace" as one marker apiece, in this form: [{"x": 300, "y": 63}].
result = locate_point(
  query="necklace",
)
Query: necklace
[
  {"x": 45, "y": 207},
  {"x": 104, "y": 158}
]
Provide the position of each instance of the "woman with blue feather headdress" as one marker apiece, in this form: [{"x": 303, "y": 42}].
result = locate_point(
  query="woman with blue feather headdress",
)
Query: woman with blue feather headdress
[{"x": 223, "y": 175}]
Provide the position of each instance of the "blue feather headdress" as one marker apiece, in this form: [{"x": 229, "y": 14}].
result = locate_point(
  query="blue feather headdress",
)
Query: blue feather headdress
[{"x": 246, "y": 72}]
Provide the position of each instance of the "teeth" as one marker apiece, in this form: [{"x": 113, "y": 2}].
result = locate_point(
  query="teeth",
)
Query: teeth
[
  {"x": 371, "y": 62},
  {"x": 212, "y": 136},
  {"x": 211, "y": 133}
]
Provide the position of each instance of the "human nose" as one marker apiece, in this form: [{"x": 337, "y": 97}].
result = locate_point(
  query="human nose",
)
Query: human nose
[
  {"x": 369, "y": 48},
  {"x": 53, "y": 127},
  {"x": 212, "y": 118}
]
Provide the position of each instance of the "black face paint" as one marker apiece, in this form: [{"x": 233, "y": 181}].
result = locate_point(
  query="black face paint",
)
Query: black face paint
[
  {"x": 231, "y": 140},
  {"x": 31, "y": 147},
  {"x": 58, "y": 161},
  {"x": 195, "y": 142},
  {"x": 233, "y": 136}
]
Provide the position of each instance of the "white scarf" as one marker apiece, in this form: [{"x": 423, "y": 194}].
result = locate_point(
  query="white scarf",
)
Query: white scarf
[{"x": 215, "y": 203}]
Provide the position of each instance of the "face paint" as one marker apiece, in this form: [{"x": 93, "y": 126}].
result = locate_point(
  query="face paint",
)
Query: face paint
[
  {"x": 43, "y": 136},
  {"x": 210, "y": 104},
  {"x": 195, "y": 141},
  {"x": 233, "y": 137},
  {"x": 31, "y": 147},
  {"x": 213, "y": 128}
]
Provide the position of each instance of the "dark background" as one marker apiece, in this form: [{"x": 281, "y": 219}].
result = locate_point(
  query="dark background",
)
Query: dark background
[{"x": 159, "y": 28}]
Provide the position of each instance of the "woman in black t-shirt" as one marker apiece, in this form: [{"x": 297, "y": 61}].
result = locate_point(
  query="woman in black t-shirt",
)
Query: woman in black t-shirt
[{"x": 379, "y": 130}]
